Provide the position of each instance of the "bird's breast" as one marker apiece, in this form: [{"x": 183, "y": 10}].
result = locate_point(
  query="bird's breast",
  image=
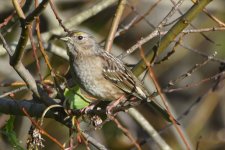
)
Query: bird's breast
[{"x": 90, "y": 78}]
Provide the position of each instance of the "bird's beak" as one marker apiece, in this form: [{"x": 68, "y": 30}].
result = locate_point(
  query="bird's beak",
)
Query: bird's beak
[{"x": 64, "y": 39}]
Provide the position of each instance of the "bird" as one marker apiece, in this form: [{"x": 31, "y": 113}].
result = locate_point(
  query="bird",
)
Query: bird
[{"x": 101, "y": 74}]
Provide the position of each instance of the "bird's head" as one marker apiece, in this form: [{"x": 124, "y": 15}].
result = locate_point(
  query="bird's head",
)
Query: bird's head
[{"x": 80, "y": 43}]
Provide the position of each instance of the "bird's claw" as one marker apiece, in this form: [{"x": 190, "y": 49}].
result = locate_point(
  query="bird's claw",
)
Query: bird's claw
[{"x": 87, "y": 109}]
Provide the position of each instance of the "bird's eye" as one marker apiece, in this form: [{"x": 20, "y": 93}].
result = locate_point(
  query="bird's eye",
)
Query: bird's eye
[{"x": 80, "y": 37}]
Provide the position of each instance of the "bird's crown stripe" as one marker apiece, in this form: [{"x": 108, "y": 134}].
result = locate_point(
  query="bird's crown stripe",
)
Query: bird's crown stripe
[{"x": 78, "y": 33}]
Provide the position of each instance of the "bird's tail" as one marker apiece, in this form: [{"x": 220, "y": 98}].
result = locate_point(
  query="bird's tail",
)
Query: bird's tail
[{"x": 157, "y": 107}]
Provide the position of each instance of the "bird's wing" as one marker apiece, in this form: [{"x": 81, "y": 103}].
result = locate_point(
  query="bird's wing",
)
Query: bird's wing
[{"x": 115, "y": 71}]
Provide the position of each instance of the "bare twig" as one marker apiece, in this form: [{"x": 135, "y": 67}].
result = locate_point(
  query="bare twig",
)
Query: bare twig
[
  {"x": 162, "y": 97},
  {"x": 37, "y": 11},
  {"x": 5, "y": 45},
  {"x": 6, "y": 20},
  {"x": 18, "y": 9},
  {"x": 13, "y": 91},
  {"x": 115, "y": 24},
  {"x": 93, "y": 142},
  {"x": 15, "y": 59},
  {"x": 34, "y": 51},
  {"x": 155, "y": 32},
  {"x": 187, "y": 86},
  {"x": 201, "y": 53},
  {"x": 87, "y": 13},
  {"x": 147, "y": 13},
  {"x": 160, "y": 33},
  {"x": 142, "y": 16},
  {"x": 222, "y": 24},
  {"x": 126, "y": 132},
  {"x": 191, "y": 70},
  {"x": 149, "y": 129},
  {"x": 57, "y": 17},
  {"x": 80, "y": 17},
  {"x": 40, "y": 43},
  {"x": 43, "y": 131},
  {"x": 174, "y": 3},
  {"x": 171, "y": 35},
  {"x": 136, "y": 19}
]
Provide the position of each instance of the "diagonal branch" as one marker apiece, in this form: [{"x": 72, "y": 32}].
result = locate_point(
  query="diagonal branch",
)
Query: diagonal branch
[{"x": 172, "y": 33}]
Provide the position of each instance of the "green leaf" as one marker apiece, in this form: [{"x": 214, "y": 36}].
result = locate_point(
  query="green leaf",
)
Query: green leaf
[
  {"x": 75, "y": 98},
  {"x": 11, "y": 135}
]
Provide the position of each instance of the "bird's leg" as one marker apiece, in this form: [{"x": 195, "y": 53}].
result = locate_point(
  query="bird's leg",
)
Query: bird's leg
[
  {"x": 134, "y": 101},
  {"x": 90, "y": 107},
  {"x": 109, "y": 108}
]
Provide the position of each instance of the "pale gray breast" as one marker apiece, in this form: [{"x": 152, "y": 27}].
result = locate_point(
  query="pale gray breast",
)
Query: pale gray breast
[{"x": 91, "y": 79}]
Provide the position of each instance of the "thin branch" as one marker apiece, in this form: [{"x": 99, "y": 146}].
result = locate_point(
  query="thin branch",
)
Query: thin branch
[
  {"x": 13, "y": 22},
  {"x": 160, "y": 33},
  {"x": 154, "y": 33},
  {"x": 115, "y": 24},
  {"x": 204, "y": 30},
  {"x": 5, "y": 45},
  {"x": 147, "y": 13},
  {"x": 90, "y": 12},
  {"x": 10, "y": 17},
  {"x": 40, "y": 43},
  {"x": 93, "y": 141},
  {"x": 142, "y": 16},
  {"x": 58, "y": 18},
  {"x": 201, "y": 53},
  {"x": 6, "y": 20},
  {"x": 80, "y": 17},
  {"x": 19, "y": 10},
  {"x": 207, "y": 38},
  {"x": 222, "y": 24},
  {"x": 163, "y": 98},
  {"x": 13, "y": 91},
  {"x": 34, "y": 51},
  {"x": 149, "y": 129},
  {"x": 126, "y": 132},
  {"x": 41, "y": 130},
  {"x": 136, "y": 19},
  {"x": 187, "y": 86},
  {"x": 37, "y": 11},
  {"x": 15, "y": 59},
  {"x": 191, "y": 71},
  {"x": 171, "y": 35}
]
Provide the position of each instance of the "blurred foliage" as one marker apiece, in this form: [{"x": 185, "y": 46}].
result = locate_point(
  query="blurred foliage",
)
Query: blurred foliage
[{"x": 11, "y": 134}]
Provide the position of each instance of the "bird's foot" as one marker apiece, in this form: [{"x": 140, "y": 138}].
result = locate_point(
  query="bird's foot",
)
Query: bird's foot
[
  {"x": 89, "y": 108},
  {"x": 112, "y": 105},
  {"x": 109, "y": 110}
]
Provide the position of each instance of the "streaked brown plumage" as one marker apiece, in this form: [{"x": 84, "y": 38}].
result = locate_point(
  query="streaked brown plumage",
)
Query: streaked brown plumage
[{"x": 99, "y": 73}]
